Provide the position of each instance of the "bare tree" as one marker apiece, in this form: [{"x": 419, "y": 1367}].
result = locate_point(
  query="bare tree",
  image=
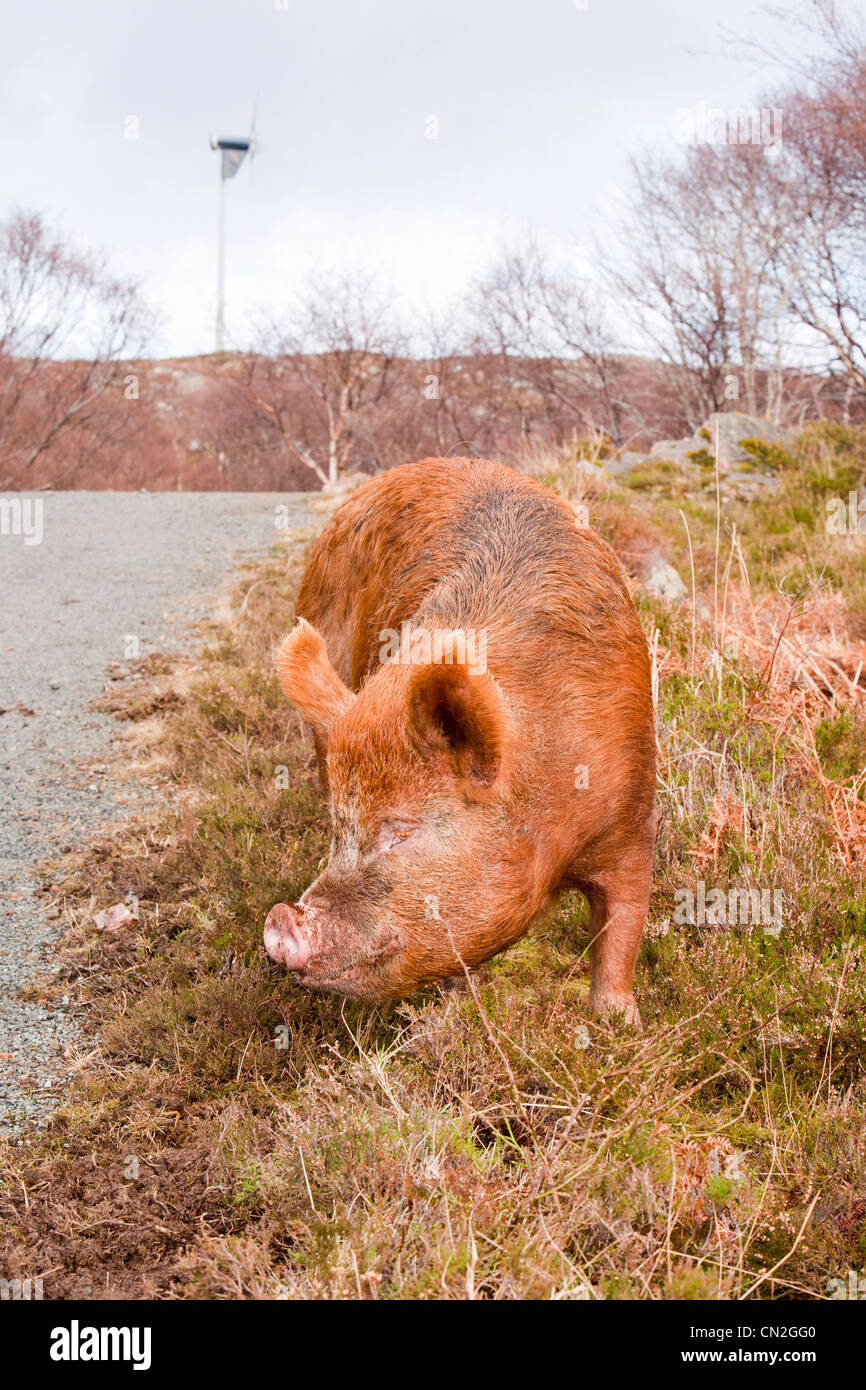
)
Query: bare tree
[
  {"x": 56, "y": 301},
  {"x": 825, "y": 161},
  {"x": 820, "y": 264},
  {"x": 321, "y": 372},
  {"x": 700, "y": 277},
  {"x": 551, "y": 334}
]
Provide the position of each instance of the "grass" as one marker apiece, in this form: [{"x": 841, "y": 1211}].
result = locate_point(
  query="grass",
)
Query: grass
[{"x": 231, "y": 1136}]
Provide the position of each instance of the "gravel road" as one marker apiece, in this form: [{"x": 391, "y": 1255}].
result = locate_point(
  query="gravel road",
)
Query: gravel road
[{"x": 107, "y": 567}]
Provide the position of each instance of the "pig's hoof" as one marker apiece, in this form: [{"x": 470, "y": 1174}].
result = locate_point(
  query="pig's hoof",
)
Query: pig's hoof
[
  {"x": 480, "y": 974},
  {"x": 613, "y": 1005},
  {"x": 285, "y": 939}
]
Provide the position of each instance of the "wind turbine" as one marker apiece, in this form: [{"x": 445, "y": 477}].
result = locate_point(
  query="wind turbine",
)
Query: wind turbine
[{"x": 234, "y": 150}]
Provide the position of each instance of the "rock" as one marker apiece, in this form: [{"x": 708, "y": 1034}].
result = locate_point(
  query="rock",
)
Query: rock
[
  {"x": 677, "y": 450},
  {"x": 662, "y": 581},
  {"x": 592, "y": 470},
  {"x": 114, "y": 918},
  {"x": 733, "y": 427},
  {"x": 623, "y": 464},
  {"x": 749, "y": 483}
]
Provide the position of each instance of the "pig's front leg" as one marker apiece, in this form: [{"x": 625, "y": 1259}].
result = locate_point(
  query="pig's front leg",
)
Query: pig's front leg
[{"x": 618, "y": 912}]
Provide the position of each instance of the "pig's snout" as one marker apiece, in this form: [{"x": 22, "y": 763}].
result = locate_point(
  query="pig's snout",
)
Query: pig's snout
[{"x": 285, "y": 939}]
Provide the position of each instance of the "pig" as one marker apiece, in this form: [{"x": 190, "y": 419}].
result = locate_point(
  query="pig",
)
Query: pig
[{"x": 478, "y": 687}]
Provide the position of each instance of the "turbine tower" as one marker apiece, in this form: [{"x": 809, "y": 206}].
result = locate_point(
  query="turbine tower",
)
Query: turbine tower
[{"x": 234, "y": 151}]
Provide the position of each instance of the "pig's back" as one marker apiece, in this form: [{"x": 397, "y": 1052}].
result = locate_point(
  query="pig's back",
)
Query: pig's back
[{"x": 468, "y": 543}]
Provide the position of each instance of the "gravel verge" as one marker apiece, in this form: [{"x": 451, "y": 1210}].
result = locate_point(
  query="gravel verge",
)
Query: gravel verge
[{"x": 110, "y": 570}]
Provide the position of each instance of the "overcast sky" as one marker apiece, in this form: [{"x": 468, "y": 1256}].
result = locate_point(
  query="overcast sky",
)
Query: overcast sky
[{"x": 538, "y": 103}]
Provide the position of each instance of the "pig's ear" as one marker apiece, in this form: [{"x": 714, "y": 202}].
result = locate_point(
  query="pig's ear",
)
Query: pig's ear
[
  {"x": 455, "y": 711},
  {"x": 310, "y": 681}
]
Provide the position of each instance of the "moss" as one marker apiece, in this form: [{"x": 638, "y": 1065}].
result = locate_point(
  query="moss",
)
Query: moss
[
  {"x": 702, "y": 457},
  {"x": 768, "y": 455}
]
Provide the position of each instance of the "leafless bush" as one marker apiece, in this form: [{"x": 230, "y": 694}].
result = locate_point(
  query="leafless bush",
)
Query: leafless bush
[
  {"x": 322, "y": 372},
  {"x": 556, "y": 348}
]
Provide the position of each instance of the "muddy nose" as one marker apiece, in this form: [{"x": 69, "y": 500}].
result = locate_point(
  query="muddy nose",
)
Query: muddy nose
[{"x": 285, "y": 939}]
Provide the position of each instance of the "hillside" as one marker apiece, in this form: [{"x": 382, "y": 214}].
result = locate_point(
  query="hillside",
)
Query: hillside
[{"x": 194, "y": 423}]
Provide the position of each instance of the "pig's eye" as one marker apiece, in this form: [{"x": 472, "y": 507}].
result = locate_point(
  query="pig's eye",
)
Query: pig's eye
[{"x": 393, "y": 833}]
